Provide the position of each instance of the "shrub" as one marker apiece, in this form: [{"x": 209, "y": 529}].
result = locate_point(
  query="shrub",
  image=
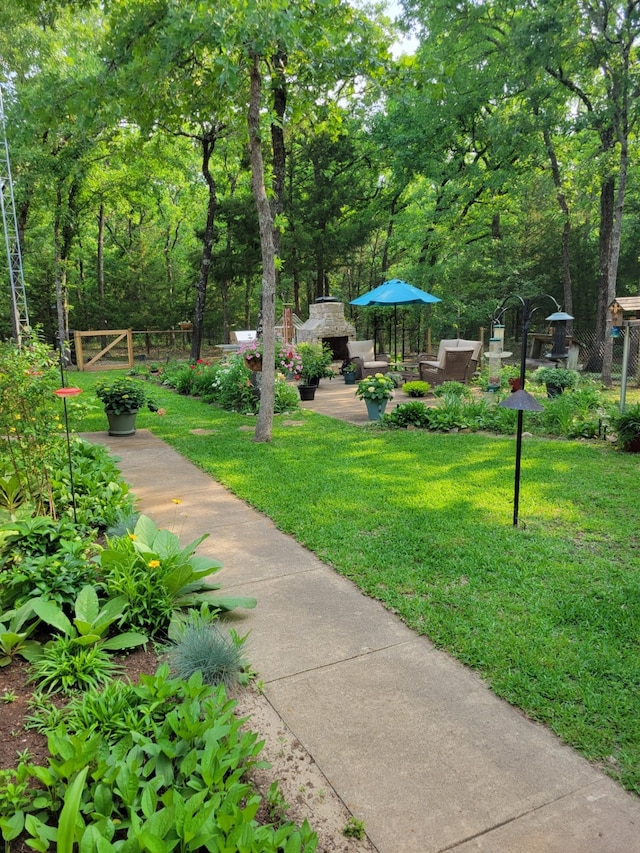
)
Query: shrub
[
  {"x": 30, "y": 424},
  {"x": 627, "y": 426},
  {"x": 413, "y": 414},
  {"x": 316, "y": 362},
  {"x": 232, "y": 388},
  {"x": 555, "y": 378},
  {"x": 416, "y": 388},
  {"x": 286, "y": 397},
  {"x": 452, "y": 389}
]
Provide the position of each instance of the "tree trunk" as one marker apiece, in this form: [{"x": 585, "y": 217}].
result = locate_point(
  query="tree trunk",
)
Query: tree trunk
[
  {"x": 264, "y": 424},
  {"x": 603, "y": 342},
  {"x": 279, "y": 62},
  {"x": 208, "y": 144},
  {"x": 567, "y": 289},
  {"x": 101, "y": 309}
]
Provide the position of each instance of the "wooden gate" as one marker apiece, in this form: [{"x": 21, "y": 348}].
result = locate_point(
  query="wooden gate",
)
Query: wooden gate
[{"x": 120, "y": 334}]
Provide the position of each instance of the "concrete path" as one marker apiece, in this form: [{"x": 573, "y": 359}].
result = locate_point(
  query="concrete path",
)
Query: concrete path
[{"x": 412, "y": 741}]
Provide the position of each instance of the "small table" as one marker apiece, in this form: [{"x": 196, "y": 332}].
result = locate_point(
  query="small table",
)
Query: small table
[{"x": 539, "y": 340}]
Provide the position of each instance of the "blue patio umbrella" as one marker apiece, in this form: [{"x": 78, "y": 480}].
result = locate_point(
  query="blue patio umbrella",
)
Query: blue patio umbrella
[{"x": 395, "y": 292}]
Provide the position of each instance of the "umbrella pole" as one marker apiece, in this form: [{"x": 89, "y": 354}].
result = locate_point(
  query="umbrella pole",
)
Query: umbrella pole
[{"x": 395, "y": 332}]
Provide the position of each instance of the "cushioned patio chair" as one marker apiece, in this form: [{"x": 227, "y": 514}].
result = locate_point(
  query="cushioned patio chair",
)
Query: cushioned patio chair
[
  {"x": 454, "y": 366},
  {"x": 454, "y": 343},
  {"x": 362, "y": 355}
]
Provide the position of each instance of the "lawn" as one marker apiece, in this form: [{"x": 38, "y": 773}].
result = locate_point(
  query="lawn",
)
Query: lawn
[{"x": 548, "y": 613}]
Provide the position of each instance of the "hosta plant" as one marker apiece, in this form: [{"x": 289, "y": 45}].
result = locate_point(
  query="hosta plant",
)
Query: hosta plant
[
  {"x": 156, "y": 576},
  {"x": 78, "y": 655}
]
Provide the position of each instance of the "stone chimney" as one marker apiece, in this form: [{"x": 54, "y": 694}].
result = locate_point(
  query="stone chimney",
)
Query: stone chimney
[{"x": 327, "y": 324}]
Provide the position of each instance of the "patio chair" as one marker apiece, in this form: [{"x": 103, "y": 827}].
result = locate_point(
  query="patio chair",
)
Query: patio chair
[
  {"x": 454, "y": 366},
  {"x": 455, "y": 343},
  {"x": 362, "y": 355}
]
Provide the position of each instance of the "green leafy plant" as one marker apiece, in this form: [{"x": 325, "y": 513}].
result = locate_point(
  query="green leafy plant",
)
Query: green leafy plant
[
  {"x": 177, "y": 781},
  {"x": 556, "y": 379},
  {"x": 376, "y": 387},
  {"x": 413, "y": 414},
  {"x": 16, "y": 800},
  {"x": 354, "y": 828},
  {"x": 30, "y": 419},
  {"x": 626, "y": 425},
  {"x": 79, "y": 655},
  {"x": 16, "y": 626},
  {"x": 316, "y": 362},
  {"x": 416, "y": 388},
  {"x": 452, "y": 389},
  {"x": 285, "y": 397},
  {"x": 121, "y": 396},
  {"x": 156, "y": 576}
]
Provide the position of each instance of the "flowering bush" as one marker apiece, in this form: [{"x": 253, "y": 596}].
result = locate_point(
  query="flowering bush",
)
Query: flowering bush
[
  {"x": 287, "y": 358},
  {"x": 122, "y": 396},
  {"x": 377, "y": 387}
]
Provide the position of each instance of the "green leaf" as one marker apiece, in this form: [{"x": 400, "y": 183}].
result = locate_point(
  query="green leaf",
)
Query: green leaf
[
  {"x": 12, "y": 826},
  {"x": 70, "y": 812},
  {"x": 52, "y": 615},
  {"x": 124, "y": 641},
  {"x": 87, "y": 606}
]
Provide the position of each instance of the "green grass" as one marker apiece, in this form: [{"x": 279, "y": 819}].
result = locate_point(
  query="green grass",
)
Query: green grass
[{"x": 548, "y": 613}]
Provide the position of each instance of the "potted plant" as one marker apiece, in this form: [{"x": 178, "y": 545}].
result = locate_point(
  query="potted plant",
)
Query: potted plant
[
  {"x": 557, "y": 379},
  {"x": 122, "y": 399},
  {"x": 626, "y": 425},
  {"x": 315, "y": 365},
  {"x": 376, "y": 391},
  {"x": 349, "y": 372}
]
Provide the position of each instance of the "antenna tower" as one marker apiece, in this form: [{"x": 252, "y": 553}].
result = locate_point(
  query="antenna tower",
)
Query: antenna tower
[{"x": 19, "y": 313}]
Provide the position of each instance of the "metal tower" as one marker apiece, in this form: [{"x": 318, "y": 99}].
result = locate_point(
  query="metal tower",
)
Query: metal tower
[{"x": 19, "y": 313}]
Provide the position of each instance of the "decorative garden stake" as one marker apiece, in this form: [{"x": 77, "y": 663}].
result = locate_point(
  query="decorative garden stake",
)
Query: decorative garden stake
[
  {"x": 64, "y": 393},
  {"x": 521, "y": 400}
]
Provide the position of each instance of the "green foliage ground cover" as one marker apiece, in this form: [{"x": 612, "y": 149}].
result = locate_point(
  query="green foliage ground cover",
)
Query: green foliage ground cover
[{"x": 549, "y": 613}]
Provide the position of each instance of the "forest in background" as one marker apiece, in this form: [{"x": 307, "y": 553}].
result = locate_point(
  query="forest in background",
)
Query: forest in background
[{"x": 500, "y": 158}]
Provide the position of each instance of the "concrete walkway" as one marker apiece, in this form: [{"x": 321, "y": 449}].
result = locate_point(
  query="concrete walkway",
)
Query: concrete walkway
[{"x": 412, "y": 741}]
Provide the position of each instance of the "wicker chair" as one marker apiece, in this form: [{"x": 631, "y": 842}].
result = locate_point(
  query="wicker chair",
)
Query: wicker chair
[
  {"x": 455, "y": 343},
  {"x": 362, "y": 355},
  {"x": 454, "y": 366}
]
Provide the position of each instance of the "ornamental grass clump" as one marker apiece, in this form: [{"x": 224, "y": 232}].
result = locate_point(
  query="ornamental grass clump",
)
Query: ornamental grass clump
[{"x": 376, "y": 387}]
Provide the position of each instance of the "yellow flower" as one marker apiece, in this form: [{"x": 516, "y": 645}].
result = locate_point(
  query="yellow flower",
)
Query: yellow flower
[
  {"x": 153, "y": 564},
  {"x": 132, "y": 536},
  {"x": 176, "y": 500},
  {"x": 18, "y": 417}
]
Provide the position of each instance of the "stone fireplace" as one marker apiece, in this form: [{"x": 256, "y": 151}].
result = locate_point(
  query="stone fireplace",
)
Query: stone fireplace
[{"x": 328, "y": 325}]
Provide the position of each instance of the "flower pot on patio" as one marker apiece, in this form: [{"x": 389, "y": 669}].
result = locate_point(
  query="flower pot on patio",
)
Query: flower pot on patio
[
  {"x": 349, "y": 378},
  {"x": 375, "y": 408},
  {"x": 307, "y": 392},
  {"x": 122, "y": 424}
]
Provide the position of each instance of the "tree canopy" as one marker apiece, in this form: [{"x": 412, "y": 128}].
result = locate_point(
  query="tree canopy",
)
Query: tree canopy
[{"x": 501, "y": 157}]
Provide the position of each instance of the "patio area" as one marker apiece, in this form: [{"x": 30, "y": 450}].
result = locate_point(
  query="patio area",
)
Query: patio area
[{"x": 337, "y": 400}]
